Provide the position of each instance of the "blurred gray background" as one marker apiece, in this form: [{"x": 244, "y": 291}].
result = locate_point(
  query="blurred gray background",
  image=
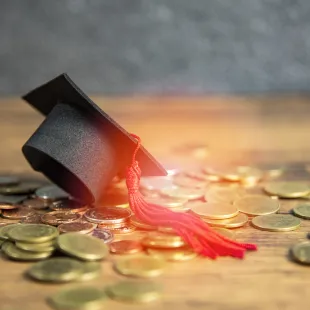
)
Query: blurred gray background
[{"x": 156, "y": 46}]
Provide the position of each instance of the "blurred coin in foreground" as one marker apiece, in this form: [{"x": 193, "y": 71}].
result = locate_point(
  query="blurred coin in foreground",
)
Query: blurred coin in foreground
[
  {"x": 104, "y": 235},
  {"x": 133, "y": 291},
  {"x": 225, "y": 232},
  {"x": 301, "y": 252},
  {"x": 180, "y": 254},
  {"x": 303, "y": 211},
  {"x": 214, "y": 210},
  {"x": 125, "y": 247},
  {"x": 78, "y": 298},
  {"x": 234, "y": 222},
  {"x": 140, "y": 266},
  {"x": 51, "y": 193},
  {"x": 283, "y": 189},
  {"x": 183, "y": 193},
  {"x": 162, "y": 240},
  {"x": 56, "y": 218},
  {"x": 276, "y": 222}
]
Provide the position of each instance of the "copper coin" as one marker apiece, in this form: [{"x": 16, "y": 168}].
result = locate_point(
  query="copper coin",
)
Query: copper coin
[
  {"x": 56, "y": 218},
  {"x": 107, "y": 215},
  {"x": 125, "y": 247},
  {"x": 35, "y": 218},
  {"x": 136, "y": 222},
  {"x": 112, "y": 226},
  {"x": 80, "y": 227},
  {"x": 35, "y": 203},
  {"x": 8, "y": 206},
  {"x": 17, "y": 214},
  {"x": 68, "y": 205}
]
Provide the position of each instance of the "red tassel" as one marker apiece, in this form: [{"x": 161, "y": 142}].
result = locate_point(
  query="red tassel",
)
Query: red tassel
[{"x": 193, "y": 230}]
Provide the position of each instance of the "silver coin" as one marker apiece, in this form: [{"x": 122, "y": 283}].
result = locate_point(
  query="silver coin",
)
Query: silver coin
[
  {"x": 51, "y": 193},
  {"x": 8, "y": 180},
  {"x": 12, "y": 199},
  {"x": 105, "y": 235},
  {"x": 20, "y": 189},
  {"x": 156, "y": 183},
  {"x": 107, "y": 215}
]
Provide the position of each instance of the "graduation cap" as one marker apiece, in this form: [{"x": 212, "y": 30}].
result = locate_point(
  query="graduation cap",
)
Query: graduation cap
[
  {"x": 78, "y": 146},
  {"x": 81, "y": 149}
]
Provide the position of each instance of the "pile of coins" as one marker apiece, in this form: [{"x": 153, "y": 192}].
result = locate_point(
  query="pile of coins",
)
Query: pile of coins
[{"x": 43, "y": 223}]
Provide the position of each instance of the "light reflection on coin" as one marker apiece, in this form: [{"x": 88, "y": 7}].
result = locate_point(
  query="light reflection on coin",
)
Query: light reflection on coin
[
  {"x": 68, "y": 205},
  {"x": 181, "y": 254},
  {"x": 51, "y": 193},
  {"x": 214, "y": 210},
  {"x": 162, "y": 240},
  {"x": 257, "y": 205},
  {"x": 166, "y": 202},
  {"x": 200, "y": 175},
  {"x": 183, "y": 193},
  {"x": 187, "y": 182},
  {"x": 276, "y": 222},
  {"x": 156, "y": 183},
  {"x": 224, "y": 194},
  {"x": 136, "y": 222},
  {"x": 107, "y": 215},
  {"x": 240, "y": 220}
]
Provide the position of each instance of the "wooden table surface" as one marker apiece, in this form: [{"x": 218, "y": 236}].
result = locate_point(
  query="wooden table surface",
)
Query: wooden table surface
[{"x": 248, "y": 130}]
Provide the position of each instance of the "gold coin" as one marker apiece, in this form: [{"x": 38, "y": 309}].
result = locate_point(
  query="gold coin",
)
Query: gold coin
[
  {"x": 125, "y": 247},
  {"x": 140, "y": 266},
  {"x": 8, "y": 206},
  {"x": 78, "y": 298},
  {"x": 5, "y": 229},
  {"x": 240, "y": 220},
  {"x": 228, "y": 173},
  {"x": 37, "y": 247},
  {"x": 13, "y": 252},
  {"x": 223, "y": 194},
  {"x": 136, "y": 222},
  {"x": 56, "y": 218},
  {"x": 84, "y": 247},
  {"x": 200, "y": 175},
  {"x": 91, "y": 270},
  {"x": 107, "y": 215},
  {"x": 166, "y": 230},
  {"x": 214, "y": 210},
  {"x": 225, "y": 232},
  {"x": 17, "y": 214},
  {"x": 80, "y": 227},
  {"x": 257, "y": 205},
  {"x": 292, "y": 189},
  {"x": 132, "y": 291},
  {"x": 33, "y": 233},
  {"x": 58, "y": 269},
  {"x": 181, "y": 254},
  {"x": 161, "y": 240},
  {"x": 301, "y": 252},
  {"x": 187, "y": 182},
  {"x": 276, "y": 222},
  {"x": 303, "y": 211},
  {"x": 183, "y": 193},
  {"x": 166, "y": 202},
  {"x": 126, "y": 229},
  {"x": 249, "y": 175}
]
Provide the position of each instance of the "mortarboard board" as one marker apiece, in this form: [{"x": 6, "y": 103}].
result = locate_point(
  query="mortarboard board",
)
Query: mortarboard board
[{"x": 78, "y": 146}]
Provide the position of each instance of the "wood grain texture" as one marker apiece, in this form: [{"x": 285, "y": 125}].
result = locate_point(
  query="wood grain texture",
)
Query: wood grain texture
[{"x": 248, "y": 130}]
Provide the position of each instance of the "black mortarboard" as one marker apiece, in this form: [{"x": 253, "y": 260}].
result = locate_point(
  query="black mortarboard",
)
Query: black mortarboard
[{"x": 78, "y": 146}]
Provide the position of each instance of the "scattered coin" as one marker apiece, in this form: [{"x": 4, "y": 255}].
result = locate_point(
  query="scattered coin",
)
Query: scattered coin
[
  {"x": 228, "y": 173},
  {"x": 225, "y": 232},
  {"x": 51, "y": 193},
  {"x": 240, "y": 220},
  {"x": 84, "y": 247},
  {"x": 13, "y": 252},
  {"x": 187, "y": 182},
  {"x": 36, "y": 247},
  {"x": 303, "y": 211},
  {"x": 125, "y": 247},
  {"x": 166, "y": 201},
  {"x": 32, "y": 233},
  {"x": 161, "y": 240},
  {"x": 105, "y": 235},
  {"x": 276, "y": 222},
  {"x": 57, "y": 217},
  {"x": 107, "y": 215},
  {"x": 6, "y": 180},
  {"x": 91, "y": 270},
  {"x": 12, "y": 199},
  {"x": 257, "y": 205},
  {"x": 58, "y": 269},
  {"x": 223, "y": 194},
  {"x": 249, "y": 175},
  {"x": 8, "y": 206},
  {"x": 200, "y": 175},
  {"x": 139, "y": 266},
  {"x": 78, "y": 298},
  {"x": 136, "y": 222},
  {"x": 34, "y": 218},
  {"x": 80, "y": 227},
  {"x": 181, "y": 254},
  {"x": 183, "y": 193},
  {"x": 156, "y": 183},
  {"x": 20, "y": 189},
  {"x": 4, "y": 221},
  {"x": 214, "y": 210},
  {"x": 112, "y": 226},
  {"x": 68, "y": 205},
  {"x": 301, "y": 252},
  {"x": 272, "y": 170},
  {"x": 132, "y": 291},
  {"x": 126, "y": 229},
  {"x": 17, "y": 214},
  {"x": 292, "y": 189},
  {"x": 5, "y": 229},
  {"x": 35, "y": 203}
]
